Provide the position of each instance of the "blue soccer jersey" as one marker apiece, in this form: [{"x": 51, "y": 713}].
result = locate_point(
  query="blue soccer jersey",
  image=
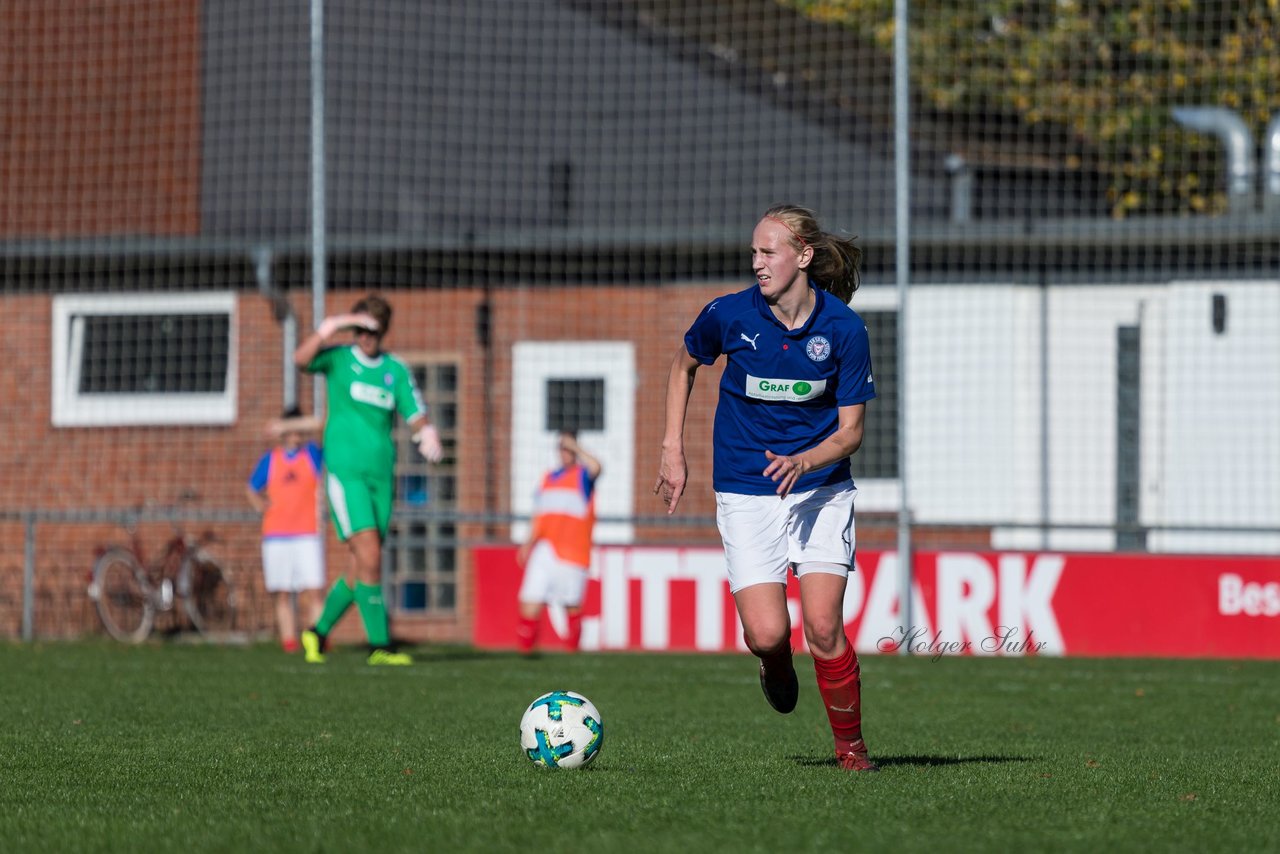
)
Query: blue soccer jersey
[{"x": 781, "y": 388}]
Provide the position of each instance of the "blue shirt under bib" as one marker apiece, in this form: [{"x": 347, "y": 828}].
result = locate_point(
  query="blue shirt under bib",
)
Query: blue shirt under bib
[{"x": 781, "y": 388}]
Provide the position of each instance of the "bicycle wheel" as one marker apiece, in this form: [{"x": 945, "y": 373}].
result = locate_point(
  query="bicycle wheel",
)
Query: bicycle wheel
[
  {"x": 120, "y": 590},
  {"x": 207, "y": 595}
]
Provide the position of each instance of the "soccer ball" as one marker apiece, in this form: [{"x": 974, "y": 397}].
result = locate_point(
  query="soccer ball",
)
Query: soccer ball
[{"x": 562, "y": 729}]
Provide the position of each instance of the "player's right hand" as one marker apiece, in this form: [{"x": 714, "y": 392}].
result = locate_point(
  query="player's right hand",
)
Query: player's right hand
[
  {"x": 673, "y": 474},
  {"x": 429, "y": 444},
  {"x": 338, "y": 322}
]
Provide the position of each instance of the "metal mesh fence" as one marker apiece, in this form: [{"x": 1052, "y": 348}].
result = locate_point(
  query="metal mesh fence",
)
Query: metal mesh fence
[{"x": 548, "y": 192}]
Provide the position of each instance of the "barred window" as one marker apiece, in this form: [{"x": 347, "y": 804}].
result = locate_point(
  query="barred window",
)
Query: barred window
[
  {"x": 144, "y": 359},
  {"x": 421, "y": 556},
  {"x": 575, "y": 404}
]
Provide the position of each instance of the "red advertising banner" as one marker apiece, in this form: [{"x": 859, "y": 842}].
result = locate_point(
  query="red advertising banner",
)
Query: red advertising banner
[{"x": 963, "y": 603}]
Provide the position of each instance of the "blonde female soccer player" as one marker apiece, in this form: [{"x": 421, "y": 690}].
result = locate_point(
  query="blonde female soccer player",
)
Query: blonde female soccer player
[{"x": 792, "y": 400}]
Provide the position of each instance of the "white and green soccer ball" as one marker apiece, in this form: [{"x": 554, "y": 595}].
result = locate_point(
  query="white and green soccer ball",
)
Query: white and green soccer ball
[{"x": 561, "y": 729}]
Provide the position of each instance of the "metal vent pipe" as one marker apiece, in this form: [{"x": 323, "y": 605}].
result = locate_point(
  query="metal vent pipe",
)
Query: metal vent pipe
[
  {"x": 1271, "y": 165},
  {"x": 1234, "y": 134}
]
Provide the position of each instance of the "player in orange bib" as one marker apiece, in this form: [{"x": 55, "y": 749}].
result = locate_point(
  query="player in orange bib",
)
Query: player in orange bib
[
  {"x": 284, "y": 489},
  {"x": 557, "y": 555}
]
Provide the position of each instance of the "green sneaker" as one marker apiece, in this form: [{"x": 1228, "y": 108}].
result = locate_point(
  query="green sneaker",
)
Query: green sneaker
[
  {"x": 387, "y": 657},
  {"x": 311, "y": 645}
]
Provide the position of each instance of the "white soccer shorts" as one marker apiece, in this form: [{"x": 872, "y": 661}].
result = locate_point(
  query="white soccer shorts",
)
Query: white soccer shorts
[
  {"x": 292, "y": 563},
  {"x": 764, "y": 535},
  {"x": 550, "y": 580}
]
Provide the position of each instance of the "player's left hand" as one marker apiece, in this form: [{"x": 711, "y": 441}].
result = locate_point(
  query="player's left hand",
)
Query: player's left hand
[
  {"x": 784, "y": 471},
  {"x": 429, "y": 446}
]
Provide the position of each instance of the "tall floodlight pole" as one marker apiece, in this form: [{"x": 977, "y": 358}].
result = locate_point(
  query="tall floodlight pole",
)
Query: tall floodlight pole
[
  {"x": 317, "y": 205},
  {"x": 902, "y": 264}
]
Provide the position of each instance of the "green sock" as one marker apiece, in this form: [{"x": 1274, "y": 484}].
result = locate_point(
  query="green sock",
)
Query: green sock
[
  {"x": 374, "y": 613},
  {"x": 335, "y": 605}
]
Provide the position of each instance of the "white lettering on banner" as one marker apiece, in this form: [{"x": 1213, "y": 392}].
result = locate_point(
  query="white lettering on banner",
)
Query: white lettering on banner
[
  {"x": 708, "y": 570},
  {"x": 966, "y": 591},
  {"x": 655, "y": 573},
  {"x": 655, "y": 569},
  {"x": 968, "y": 587},
  {"x": 615, "y": 616},
  {"x": 881, "y": 618},
  {"x": 1026, "y": 601},
  {"x": 1251, "y": 598}
]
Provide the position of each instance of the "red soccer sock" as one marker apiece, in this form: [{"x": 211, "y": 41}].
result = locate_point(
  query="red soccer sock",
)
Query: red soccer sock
[
  {"x": 574, "y": 638},
  {"x": 840, "y": 685},
  {"x": 526, "y": 633}
]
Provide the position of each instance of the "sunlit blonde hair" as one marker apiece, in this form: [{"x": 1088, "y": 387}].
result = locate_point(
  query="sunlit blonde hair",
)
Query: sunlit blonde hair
[{"x": 835, "y": 259}]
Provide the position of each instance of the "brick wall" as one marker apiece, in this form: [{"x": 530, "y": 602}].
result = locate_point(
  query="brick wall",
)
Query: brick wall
[
  {"x": 205, "y": 468},
  {"x": 102, "y": 124}
]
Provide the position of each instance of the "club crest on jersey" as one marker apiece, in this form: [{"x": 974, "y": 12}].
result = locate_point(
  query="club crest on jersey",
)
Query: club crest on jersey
[{"x": 818, "y": 348}]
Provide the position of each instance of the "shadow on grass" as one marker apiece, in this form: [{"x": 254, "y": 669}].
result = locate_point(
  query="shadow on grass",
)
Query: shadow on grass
[{"x": 933, "y": 761}]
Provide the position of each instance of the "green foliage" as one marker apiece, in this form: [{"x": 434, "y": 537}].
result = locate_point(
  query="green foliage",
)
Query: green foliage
[
  {"x": 1104, "y": 73},
  {"x": 190, "y": 749}
]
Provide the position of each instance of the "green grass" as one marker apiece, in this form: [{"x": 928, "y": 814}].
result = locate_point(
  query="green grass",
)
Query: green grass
[{"x": 193, "y": 748}]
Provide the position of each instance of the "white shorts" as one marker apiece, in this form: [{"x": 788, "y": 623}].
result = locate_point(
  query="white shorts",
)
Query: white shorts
[
  {"x": 293, "y": 563},
  {"x": 764, "y": 535},
  {"x": 550, "y": 580}
]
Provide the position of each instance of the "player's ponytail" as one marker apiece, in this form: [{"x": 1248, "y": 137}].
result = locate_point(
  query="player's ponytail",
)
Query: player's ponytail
[{"x": 836, "y": 259}]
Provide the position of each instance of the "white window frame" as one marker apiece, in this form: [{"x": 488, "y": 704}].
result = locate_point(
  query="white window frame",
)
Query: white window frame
[
  {"x": 533, "y": 448},
  {"x": 70, "y": 408}
]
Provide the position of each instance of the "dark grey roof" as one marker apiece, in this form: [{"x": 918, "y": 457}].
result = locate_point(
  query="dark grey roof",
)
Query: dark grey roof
[{"x": 511, "y": 124}]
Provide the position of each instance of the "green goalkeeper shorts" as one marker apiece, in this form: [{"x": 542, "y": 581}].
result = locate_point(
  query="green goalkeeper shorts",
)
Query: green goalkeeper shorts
[{"x": 360, "y": 503}]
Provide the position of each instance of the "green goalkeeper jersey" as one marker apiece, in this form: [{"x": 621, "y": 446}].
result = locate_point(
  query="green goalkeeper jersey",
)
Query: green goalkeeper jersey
[{"x": 363, "y": 398}]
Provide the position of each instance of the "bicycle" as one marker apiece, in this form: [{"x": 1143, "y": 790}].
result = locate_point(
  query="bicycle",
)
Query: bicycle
[{"x": 129, "y": 591}]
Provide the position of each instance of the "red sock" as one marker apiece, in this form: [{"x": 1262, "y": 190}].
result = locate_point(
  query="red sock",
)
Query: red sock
[
  {"x": 526, "y": 633},
  {"x": 841, "y": 689},
  {"x": 575, "y": 631}
]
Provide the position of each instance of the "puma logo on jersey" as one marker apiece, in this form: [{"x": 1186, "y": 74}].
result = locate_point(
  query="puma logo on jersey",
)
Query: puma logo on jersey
[{"x": 751, "y": 341}]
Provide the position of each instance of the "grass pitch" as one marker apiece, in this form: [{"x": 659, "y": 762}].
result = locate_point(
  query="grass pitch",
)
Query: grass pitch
[{"x": 195, "y": 748}]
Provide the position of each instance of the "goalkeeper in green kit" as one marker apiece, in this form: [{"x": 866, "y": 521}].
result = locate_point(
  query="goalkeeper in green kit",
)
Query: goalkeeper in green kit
[{"x": 366, "y": 387}]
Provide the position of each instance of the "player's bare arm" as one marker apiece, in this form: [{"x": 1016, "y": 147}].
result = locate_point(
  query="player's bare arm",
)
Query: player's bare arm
[
  {"x": 584, "y": 457},
  {"x": 844, "y": 442},
  {"x": 257, "y": 500},
  {"x": 325, "y": 332},
  {"x": 673, "y": 471}
]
